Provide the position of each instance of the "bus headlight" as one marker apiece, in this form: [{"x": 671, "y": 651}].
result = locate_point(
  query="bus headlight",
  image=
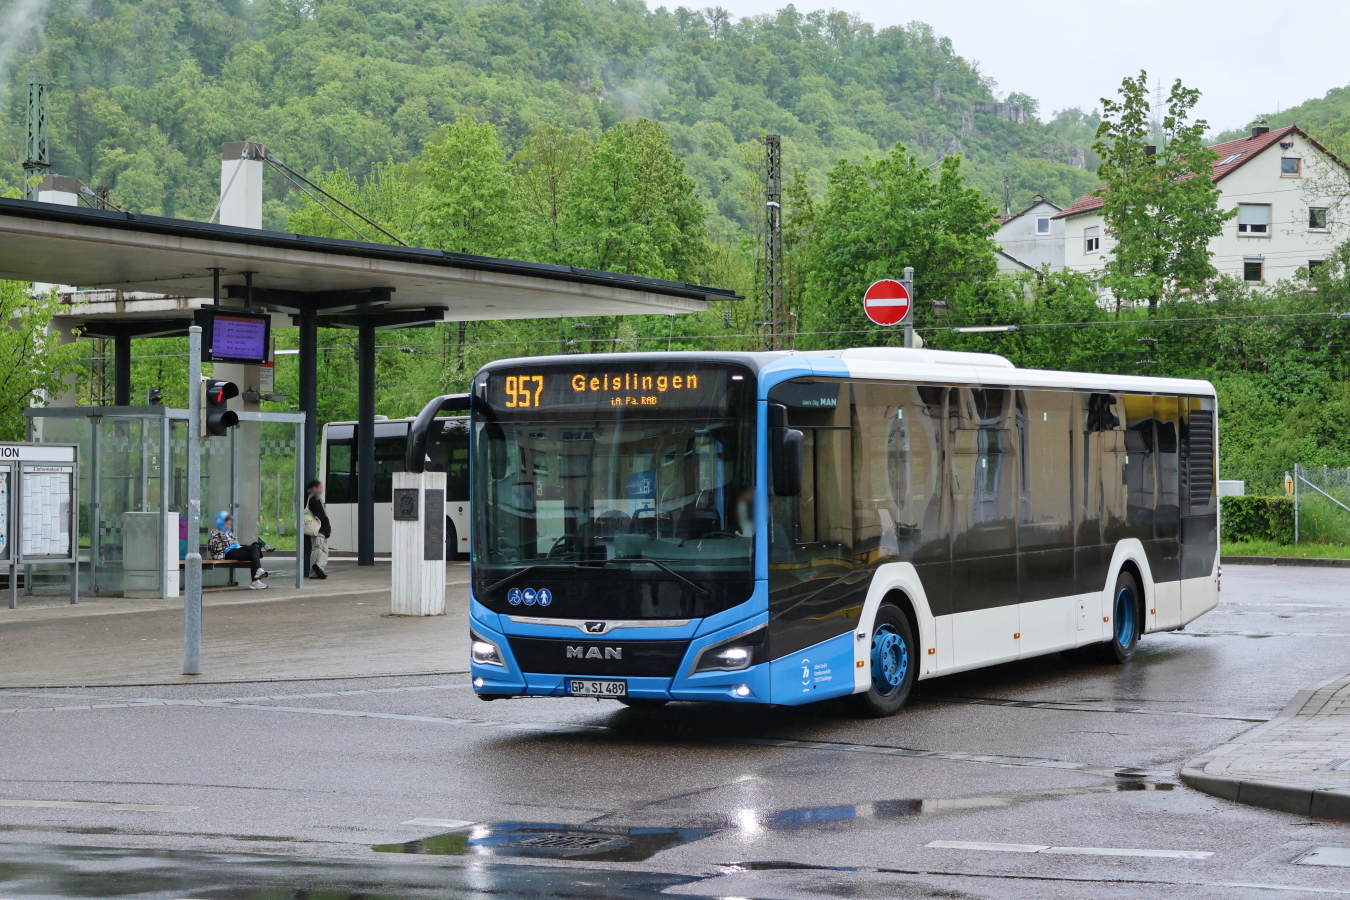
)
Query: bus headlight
[
  {"x": 485, "y": 652},
  {"x": 732, "y": 655}
]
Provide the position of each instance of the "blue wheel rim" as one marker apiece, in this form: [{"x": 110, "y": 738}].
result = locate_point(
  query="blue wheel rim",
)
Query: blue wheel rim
[
  {"x": 890, "y": 660},
  {"x": 1124, "y": 612}
]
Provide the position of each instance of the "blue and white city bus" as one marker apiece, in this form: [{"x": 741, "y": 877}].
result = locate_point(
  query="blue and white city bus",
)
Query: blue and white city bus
[{"x": 788, "y": 527}]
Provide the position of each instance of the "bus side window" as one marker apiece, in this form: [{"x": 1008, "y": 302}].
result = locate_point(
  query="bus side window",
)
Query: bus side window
[{"x": 340, "y": 486}]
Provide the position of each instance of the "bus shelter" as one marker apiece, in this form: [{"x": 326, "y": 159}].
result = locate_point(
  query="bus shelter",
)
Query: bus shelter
[{"x": 133, "y": 491}]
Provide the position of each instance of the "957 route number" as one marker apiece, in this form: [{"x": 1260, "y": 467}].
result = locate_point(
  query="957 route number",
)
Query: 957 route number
[{"x": 579, "y": 687}]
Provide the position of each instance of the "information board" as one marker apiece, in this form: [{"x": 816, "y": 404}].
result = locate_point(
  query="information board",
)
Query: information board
[
  {"x": 6, "y": 475},
  {"x": 239, "y": 337},
  {"x": 46, "y": 511}
]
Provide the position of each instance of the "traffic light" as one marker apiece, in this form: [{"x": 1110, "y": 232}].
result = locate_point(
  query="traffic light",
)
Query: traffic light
[
  {"x": 219, "y": 418},
  {"x": 153, "y": 398}
]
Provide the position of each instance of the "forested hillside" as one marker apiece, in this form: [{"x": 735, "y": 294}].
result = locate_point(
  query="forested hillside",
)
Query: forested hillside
[{"x": 144, "y": 92}]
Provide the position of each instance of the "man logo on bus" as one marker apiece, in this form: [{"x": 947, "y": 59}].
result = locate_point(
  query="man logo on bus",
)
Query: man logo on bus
[{"x": 594, "y": 652}]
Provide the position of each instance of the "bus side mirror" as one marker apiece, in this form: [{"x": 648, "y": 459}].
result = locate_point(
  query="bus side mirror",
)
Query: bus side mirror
[{"x": 785, "y": 450}]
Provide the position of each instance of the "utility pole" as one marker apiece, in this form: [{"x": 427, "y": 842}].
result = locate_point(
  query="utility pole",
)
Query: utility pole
[
  {"x": 908, "y": 282},
  {"x": 773, "y": 244},
  {"x": 35, "y": 161}
]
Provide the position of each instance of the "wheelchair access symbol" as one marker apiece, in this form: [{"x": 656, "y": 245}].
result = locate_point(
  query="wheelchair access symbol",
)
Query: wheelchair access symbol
[{"x": 513, "y": 597}]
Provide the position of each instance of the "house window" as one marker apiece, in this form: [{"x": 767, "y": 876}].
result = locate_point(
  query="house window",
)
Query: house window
[
  {"x": 1254, "y": 218},
  {"x": 1290, "y": 167},
  {"x": 1317, "y": 218},
  {"x": 1092, "y": 239},
  {"x": 1043, "y": 225},
  {"x": 1253, "y": 268},
  {"x": 1313, "y": 264}
]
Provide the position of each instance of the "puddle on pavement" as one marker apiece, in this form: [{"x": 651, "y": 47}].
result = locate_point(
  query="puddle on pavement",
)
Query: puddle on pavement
[
  {"x": 551, "y": 842},
  {"x": 883, "y": 810}
]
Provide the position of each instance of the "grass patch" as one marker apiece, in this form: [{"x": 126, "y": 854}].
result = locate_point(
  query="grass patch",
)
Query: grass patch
[{"x": 1270, "y": 548}]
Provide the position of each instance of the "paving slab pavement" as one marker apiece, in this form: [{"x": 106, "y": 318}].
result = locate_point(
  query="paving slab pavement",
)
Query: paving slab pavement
[
  {"x": 1298, "y": 762},
  {"x": 338, "y": 628}
]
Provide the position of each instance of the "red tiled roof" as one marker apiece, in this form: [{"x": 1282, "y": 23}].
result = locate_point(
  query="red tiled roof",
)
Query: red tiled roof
[{"x": 1232, "y": 155}]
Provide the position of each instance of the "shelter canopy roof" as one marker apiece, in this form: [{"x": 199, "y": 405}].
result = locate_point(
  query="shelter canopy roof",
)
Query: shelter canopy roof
[{"x": 94, "y": 248}]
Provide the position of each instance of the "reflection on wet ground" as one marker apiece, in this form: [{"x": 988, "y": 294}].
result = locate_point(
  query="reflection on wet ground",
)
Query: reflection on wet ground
[
  {"x": 38, "y": 872},
  {"x": 881, "y": 810},
  {"x": 592, "y": 844}
]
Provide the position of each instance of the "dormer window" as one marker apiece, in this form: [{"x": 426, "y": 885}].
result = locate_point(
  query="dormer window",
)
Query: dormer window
[
  {"x": 1230, "y": 159},
  {"x": 1290, "y": 167},
  {"x": 1043, "y": 225}
]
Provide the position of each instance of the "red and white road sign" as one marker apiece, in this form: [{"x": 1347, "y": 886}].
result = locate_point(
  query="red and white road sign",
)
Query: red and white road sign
[{"x": 886, "y": 302}]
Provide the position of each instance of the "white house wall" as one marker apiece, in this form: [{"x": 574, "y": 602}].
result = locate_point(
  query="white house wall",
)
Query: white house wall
[{"x": 1285, "y": 250}]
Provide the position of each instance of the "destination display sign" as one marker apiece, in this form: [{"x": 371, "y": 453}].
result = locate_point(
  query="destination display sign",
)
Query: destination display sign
[{"x": 682, "y": 386}]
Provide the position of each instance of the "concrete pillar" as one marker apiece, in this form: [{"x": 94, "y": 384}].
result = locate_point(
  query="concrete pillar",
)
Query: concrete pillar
[
  {"x": 241, "y": 184},
  {"x": 63, "y": 190},
  {"x": 417, "y": 573},
  {"x": 68, "y": 396}
]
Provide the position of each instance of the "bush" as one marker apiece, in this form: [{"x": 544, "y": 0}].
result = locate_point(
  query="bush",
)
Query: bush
[{"x": 1257, "y": 519}]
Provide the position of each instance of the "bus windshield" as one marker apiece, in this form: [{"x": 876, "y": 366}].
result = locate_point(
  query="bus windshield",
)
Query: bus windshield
[{"x": 646, "y": 494}]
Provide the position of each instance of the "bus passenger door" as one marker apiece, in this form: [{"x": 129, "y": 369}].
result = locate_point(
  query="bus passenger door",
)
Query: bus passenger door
[
  {"x": 984, "y": 492},
  {"x": 816, "y": 586}
]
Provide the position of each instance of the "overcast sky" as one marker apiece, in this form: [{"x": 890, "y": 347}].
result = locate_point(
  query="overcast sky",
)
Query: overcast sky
[{"x": 1245, "y": 56}]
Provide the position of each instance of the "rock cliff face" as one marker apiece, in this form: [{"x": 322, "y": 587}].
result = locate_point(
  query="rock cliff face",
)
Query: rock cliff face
[{"x": 1009, "y": 112}]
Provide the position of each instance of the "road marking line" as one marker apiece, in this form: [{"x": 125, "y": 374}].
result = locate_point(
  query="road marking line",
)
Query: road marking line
[
  {"x": 985, "y": 845},
  {"x": 447, "y": 824},
  {"x": 1069, "y": 851},
  {"x": 1120, "y": 851},
  {"x": 94, "y": 804},
  {"x": 1087, "y": 707}
]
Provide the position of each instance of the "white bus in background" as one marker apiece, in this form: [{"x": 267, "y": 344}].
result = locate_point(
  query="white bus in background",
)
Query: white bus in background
[{"x": 338, "y": 465}]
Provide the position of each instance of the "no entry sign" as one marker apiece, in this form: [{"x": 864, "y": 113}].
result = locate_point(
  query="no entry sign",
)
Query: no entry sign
[{"x": 886, "y": 302}]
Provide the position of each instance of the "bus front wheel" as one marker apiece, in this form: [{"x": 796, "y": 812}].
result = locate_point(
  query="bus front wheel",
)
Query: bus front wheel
[
  {"x": 895, "y": 664},
  {"x": 1126, "y": 624}
]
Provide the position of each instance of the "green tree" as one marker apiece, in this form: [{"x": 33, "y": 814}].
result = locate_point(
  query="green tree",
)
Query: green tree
[
  {"x": 633, "y": 209},
  {"x": 471, "y": 205},
  {"x": 1161, "y": 208},
  {"x": 34, "y": 364},
  {"x": 878, "y": 217}
]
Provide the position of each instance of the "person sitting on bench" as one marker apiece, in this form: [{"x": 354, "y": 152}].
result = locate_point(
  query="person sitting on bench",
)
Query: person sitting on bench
[{"x": 222, "y": 544}]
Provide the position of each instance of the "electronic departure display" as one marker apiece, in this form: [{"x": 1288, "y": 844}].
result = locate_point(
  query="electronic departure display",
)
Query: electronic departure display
[
  {"x": 620, "y": 386},
  {"x": 237, "y": 336}
]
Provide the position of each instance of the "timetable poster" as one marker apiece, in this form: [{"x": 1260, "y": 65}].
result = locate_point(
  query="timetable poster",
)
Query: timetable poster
[
  {"x": 46, "y": 512},
  {"x": 4, "y": 512}
]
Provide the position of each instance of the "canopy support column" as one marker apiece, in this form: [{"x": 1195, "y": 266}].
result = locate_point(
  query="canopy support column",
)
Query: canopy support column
[
  {"x": 309, "y": 389},
  {"x": 122, "y": 370},
  {"x": 365, "y": 441}
]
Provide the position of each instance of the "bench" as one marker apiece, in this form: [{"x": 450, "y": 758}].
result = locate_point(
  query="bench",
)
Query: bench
[{"x": 231, "y": 564}]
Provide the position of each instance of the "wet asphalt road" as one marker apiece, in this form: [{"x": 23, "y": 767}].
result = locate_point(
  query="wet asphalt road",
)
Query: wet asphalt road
[{"x": 286, "y": 790}]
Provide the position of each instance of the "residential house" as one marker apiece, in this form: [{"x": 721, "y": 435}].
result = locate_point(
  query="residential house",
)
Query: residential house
[
  {"x": 1281, "y": 227},
  {"x": 1031, "y": 239}
]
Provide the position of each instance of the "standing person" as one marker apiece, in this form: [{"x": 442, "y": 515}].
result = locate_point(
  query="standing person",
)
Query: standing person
[
  {"x": 222, "y": 544},
  {"x": 317, "y": 542}
]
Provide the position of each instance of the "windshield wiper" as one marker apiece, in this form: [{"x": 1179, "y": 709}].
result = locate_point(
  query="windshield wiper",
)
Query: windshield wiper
[{"x": 687, "y": 582}]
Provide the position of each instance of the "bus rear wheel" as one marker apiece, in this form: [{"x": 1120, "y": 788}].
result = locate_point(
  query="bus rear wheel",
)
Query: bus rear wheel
[
  {"x": 1126, "y": 624},
  {"x": 894, "y": 665}
]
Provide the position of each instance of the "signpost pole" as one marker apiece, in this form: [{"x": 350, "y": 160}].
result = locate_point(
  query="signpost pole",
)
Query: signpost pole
[
  {"x": 908, "y": 321},
  {"x": 192, "y": 564}
]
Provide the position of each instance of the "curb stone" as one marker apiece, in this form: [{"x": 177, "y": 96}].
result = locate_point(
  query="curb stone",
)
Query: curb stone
[
  {"x": 1285, "y": 561},
  {"x": 1299, "y": 799}
]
